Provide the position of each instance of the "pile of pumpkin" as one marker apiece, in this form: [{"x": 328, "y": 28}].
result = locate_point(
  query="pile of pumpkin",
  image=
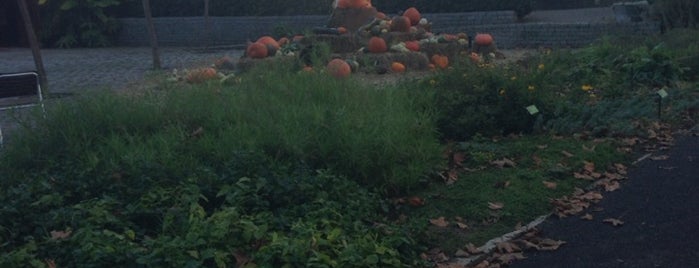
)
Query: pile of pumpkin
[{"x": 406, "y": 33}]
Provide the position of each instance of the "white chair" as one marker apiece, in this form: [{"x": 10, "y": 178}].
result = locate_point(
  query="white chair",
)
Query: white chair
[{"x": 20, "y": 90}]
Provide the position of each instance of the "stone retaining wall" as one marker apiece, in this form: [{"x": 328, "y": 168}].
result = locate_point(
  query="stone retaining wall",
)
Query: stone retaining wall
[{"x": 508, "y": 33}]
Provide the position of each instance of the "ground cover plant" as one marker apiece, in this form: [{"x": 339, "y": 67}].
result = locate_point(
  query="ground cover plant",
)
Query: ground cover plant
[{"x": 280, "y": 167}]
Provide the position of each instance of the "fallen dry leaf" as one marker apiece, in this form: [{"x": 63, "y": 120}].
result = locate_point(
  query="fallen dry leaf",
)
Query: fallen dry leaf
[
  {"x": 581, "y": 176},
  {"x": 587, "y": 216},
  {"x": 589, "y": 149},
  {"x": 589, "y": 167},
  {"x": 60, "y": 234},
  {"x": 505, "y": 162},
  {"x": 439, "y": 222},
  {"x": 612, "y": 186},
  {"x": 614, "y": 222},
  {"x": 495, "y": 205},
  {"x": 197, "y": 132},
  {"x": 461, "y": 225},
  {"x": 543, "y": 146},
  {"x": 461, "y": 253},
  {"x": 472, "y": 249},
  {"x": 509, "y": 258},
  {"x": 591, "y": 195},
  {"x": 507, "y": 247},
  {"x": 567, "y": 154},
  {"x": 548, "y": 244},
  {"x": 416, "y": 201},
  {"x": 550, "y": 185},
  {"x": 537, "y": 160},
  {"x": 50, "y": 263}
]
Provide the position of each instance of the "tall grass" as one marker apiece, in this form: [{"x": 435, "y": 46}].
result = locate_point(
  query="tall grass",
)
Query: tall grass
[{"x": 381, "y": 138}]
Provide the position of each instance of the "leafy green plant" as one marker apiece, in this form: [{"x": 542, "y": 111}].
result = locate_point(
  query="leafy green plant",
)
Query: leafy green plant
[{"x": 74, "y": 23}]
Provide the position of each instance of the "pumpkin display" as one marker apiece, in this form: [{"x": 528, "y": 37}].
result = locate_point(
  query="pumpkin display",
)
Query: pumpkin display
[
  {"x": 397, "y": 67},
  {"x": 341, "y": 30},
  {"x": 257, "y": 50},
  {"x": 377, "y": 45},
  {"x": 483, "y": 39},
  {"x": 283, "y": 41},
  {"x": 338, "y": 68},
  {"x": 475, "y": 57},
  {"x": 400, "y": 24},
  {"x": 440, "y": 61},
  {"x": 413, "y": 14},
  {"x": 380, "y": 16}
]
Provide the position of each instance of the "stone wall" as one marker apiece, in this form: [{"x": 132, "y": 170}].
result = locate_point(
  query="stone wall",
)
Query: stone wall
[{"x": 503, "y": 25}]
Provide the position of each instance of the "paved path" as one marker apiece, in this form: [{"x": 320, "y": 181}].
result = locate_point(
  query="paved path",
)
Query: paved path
[
  {"x": 659, "y": 206},
  {"x": 75, "y": 70}
]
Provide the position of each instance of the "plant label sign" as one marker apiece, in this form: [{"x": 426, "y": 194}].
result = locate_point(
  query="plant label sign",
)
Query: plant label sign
[
  {"x": 662, "y": 93},
  {"x": 532, "y": 109}
]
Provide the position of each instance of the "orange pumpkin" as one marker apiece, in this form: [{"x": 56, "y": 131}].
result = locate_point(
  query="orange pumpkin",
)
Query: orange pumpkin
[
  {"x": 400, "y": 24},
  {"x": 413, "y": 14},
  {"x": 440, "y": 61},
  {"x": 269, "y": 41},
  {"x": 475, "y": 57},
  {"x": 377, "y": 45},
  {"x": 412, "y": 45},
  {"x": 339, "y": 68},
  {"x": 397, "y": 67},
  {"x": 283, "y": 41},
  {"x": 257, "y": 50},
  {"x": 341, "y": 30},
  {"x": 484, "y": 39},
  {"x": 201, "y": 75}
]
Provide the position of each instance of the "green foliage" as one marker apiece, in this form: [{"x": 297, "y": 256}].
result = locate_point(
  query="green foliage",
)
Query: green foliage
[
  {"x": 77, "y": 23},
  {"x": 677, "y": 13}
]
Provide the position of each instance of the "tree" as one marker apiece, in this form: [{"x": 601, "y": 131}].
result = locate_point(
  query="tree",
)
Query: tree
[
  {"x": 33, "y": 43},
  {"x": 153, "y": 35}
]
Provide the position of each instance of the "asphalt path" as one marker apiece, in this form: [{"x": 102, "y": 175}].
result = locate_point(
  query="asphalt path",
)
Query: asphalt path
[{"x": 659, "y": 207}]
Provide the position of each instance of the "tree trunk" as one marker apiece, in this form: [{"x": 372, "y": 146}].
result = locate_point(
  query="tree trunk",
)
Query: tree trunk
[
  {"x": 207, "y": 24},
  {"x": 34, "y": 45},
  {"x": 153, "y": 35}
]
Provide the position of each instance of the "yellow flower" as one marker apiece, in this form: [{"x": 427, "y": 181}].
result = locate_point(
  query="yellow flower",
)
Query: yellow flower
[
  {"x": 502, "y": 92},
  {"x": 531, "y": 88},
  {"x": 541, "y": 66},
  {"x": 432, "y": 82},
  {"x": 513, "y": 78},
  {"x": 586, "y": 87}
]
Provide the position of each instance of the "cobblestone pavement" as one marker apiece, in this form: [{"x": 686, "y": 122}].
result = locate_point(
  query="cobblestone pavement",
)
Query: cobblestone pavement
[{"x": 71, "y": 71}]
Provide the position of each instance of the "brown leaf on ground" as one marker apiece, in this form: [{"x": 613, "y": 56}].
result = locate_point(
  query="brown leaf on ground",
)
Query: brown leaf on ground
[
  {"x": 507, "y": 247},
  {"x": 503, "y": 163},
  {"x": 60, "y": 234},
  {"x": 589, "y": 167},
  {"x": 589, "y": 149},
  {"x": 581, "y": 176},
  {"x": 439, "y": 222},
  {"x": 483, "y": 264},
  {"x": 587, "y": 217},
  {"x": 458, "y": 158},
  {"x": 620, "y": 168},
  {"x": 416, "y": 201},
  {"x": 612, "y": 186},
  {"x": 543, "y": 146},
  {"x": 462, "y": 226},
  {"x": 50, "y": 263},
  {"x": 550, "y": 185},
  {"x": 495, "y": 205},
  {"x": 527, "y": 244},
  {"x": 548, "y": 244},
  {"x": 472, "y": 249},
  {"x": 461, "y": 253},
  {"x": 567, "y": 154},
  {"x": 614, "y": 222},
  {"x": 613, "y": 176},
  {"x": 592, "y": 196},
  {"x": 197, "y": 133}
]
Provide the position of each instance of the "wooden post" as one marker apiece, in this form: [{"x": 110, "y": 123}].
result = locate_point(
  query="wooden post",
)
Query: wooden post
[
  {"x": 34, "y": 45},
  {"x": 153, "y": 35}
]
